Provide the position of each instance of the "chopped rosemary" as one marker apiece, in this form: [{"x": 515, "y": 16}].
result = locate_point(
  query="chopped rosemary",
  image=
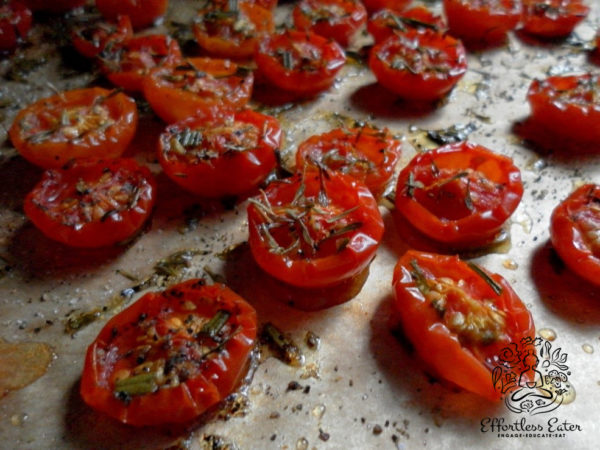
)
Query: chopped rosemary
[
  {"x": 419, "y": 277},
  {"x": 479, "y": 271},
  {"x": 285, "y": 349},
  {"x": 468, "y": 199},
  {"x": 286, "y": 59},
  {"x": 412, "y": 184},
  {"x": 141, "y": 384},
  {"x": 216, "y": 323}
]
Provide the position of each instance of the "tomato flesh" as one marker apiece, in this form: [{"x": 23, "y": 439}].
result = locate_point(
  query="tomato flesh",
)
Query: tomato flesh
[
  {"x": 386, "y": 23},
  {"x": 15, "y": 22},
  {"x": 142, "y": 13},
  {"x": 552, "y": 18},
  {"x": 90, "y": 39}
]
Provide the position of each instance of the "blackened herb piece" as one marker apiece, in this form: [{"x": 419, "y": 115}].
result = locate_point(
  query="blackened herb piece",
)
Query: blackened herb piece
[
  {"x": 453, "y": 134},
  {"x": 479, "y": 271}
]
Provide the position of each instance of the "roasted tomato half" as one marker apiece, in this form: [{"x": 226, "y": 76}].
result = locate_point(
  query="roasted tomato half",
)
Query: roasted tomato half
[
  {"x": 127, "y": 64},
  {"x": 419, "y": 65},
  {"x": 91, "y": 202},
  {"x": 458, "y": 317},
  {"x": 142, "y": 13},
  {"x": 198, "y": 86},
  {"x": 575, "y": 232},
  {"x": 315, "y": 229},
  {"x": 54, "y": 6},
  {"x": 365, "y": 153},
  {"x": 232, "y": 29},
  {"x": 171, "y": 355},
  {"x": 459, "y": 194},
  {"x": 15, "y": 22},
  {"x": 552, "y": 18},
  {"x": 394, "y": 5},
  {"x": 75, "y": 124},
  {"x": 482, "y": 22},
  {"x": 300, "y": 62},
  {"x": 220, "y": 156},
  {"x": 91, "y": 38},
  {"x": 334, "y": 19},
  {"x": 386, "y": 23}
]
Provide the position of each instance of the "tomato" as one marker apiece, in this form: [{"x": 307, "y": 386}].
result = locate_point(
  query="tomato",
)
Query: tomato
[
  {"x": 92, "y": 202},
  {"x": 575, "y": 232},
  {"x": 315, "y": 229},
  {"x": 334, "y": 19},
  {"x": 552, "y": 18},
  {"x": 365, "y": 153},
  {"x": 232, "y": 33},
  {"x": 198, "y": 86},
  {"x": 220, "y": 156},
  {"x": 171, "y": 355},
  {"x": 393, "y": 5},
  {"x": 482, "y": 22},
  {"x": 459, "y": 194},
  {"x": 300, "y": 62},
  {"x": 91, "y": 38},
  {"x": 386, "y": 23},
  {"x": 127, "y": 64},
  {"x": 459, "y": 318},
  {"x": 54, "y": 6},
  {"x": 419, "y": 65},
  {"x": 75, "y": 124},
  {"x": 142, "y": 13},
  {"x": 567, "y": 106},
  {"x": 15, "y": 22}
]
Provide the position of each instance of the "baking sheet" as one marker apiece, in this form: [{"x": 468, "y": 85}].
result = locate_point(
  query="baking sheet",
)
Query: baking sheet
[{"x": 362, "y": 388}]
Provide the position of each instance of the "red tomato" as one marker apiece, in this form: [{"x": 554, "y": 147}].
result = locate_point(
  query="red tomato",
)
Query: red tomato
[
  {"x": 90, "y": 39},
  {"x": 567, "y": 106},
  {"x": 394, "y": 5},
  {"x": 15, "y": 22},
  {"x": 419, "y": 65},
  {"x": 142, "y": 13},
  {"x": 365, "y": 153},
  {"x": 575, "y": 232},
  {"x": 127, "y": 65},
  {"x": 458, "y": 319},
  {"x": 55, "y": 6},
  {"x": 91, "y": 202},
  {"x": 220, "y": 156},
  {"x": 300, "y": 62},
  {"x": 232, "y": 33},
  {"x": 75, "y": 124},
  {"x": 386, "y": 23},
  {"x": 315, "y": 229},
  {"x": 334, "y": 19},
  {"x": 459, "y": 194},
  {"x": 198, "y": 86},
  {"x": 482, "y": 22},
  {"x": 171, "y": 355},
  {"x": 552, "y": 18}
]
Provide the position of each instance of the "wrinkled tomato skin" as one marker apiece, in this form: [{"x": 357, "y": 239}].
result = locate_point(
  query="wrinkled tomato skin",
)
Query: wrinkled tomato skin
[
  {"x": 220, "y": 88},
  {"x": 432, "y": 195},
  {"x": 425, "y": 82},
  {"x": 552, "y": 18},
  {"x": 229, "y": 173},
  {"x": 53, "y": 6},
  {"x": 15, "y": 22},
  {"x": 45, "y": 208},
  {"x": 339, "y": 27},
  {"x": 57, "y": 149},
  {"x": 394, "y": 5},
  {"x": 219, "y": 375},
  {"x": 386, "y": 23},
  {"x": 468, "y": 366},
  {"x": 574, "y": 229},
  {"x": 142, "y": 13},
  {"x": 90, "y": 48}
]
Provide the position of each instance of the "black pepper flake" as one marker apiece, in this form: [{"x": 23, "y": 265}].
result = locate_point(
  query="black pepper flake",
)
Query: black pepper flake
[
  {"x": 323, "y": 436},
  {"x": 293, "y": 386},
  {"x": 273, "y": 437},
  {"x": 306, "y": 389}
]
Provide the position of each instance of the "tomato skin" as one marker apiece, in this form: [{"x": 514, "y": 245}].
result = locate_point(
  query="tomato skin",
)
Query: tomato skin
[
  {"x": 142, "y": 13},
  {"x": 215, "y": 378},
  {"x": 432, "y": 194},
  {"x": 329, "y": 265},
  {"x": 307, "y": 75},
  {"x": 351, "y": 148},
  {"x": 207, "y": 85},
  {"x": 334, "y": 19},
  {"x": 573, "y": 226},
  {"x": 91, "y": 39},
  {"x": 54, "y": 6},
  {"x": 417, "y": 78},
  {"x": 393, "y": 5},
  {"x": 227, "y": 172},
  {"x": 386, "y": 23},
  {"x": 64, "y": 212},
  {"x": 62, "y": 145},
  {"x": 552, "y": 18},
  {"x": 15, "y": 22},
  {"x": 467, "y": 364}
]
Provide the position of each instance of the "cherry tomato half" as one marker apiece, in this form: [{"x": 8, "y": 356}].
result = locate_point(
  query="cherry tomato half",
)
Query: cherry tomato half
[
  {"x": 575, "y": 232},
  {"x": 300, "y": 62},
  {"x": 315, "y": 229},
  {"x": 220, "y": 156},
  {"x": 458, "y": 317},
  {"x": 142, "y": 13},
  {"x": 54, "y": 6},
  {"x": 552, "y": 18},
  {"x": 75, "y": 124},
  {"x": 459, "y": 194},
  {"x": 386, "y": 23},
  {"x": 90, "y": 39},
  {"x": 197, "y": 86},
  {"x": 393, "y": 5},
  {"x": 171, "y": 355},
  {"x": 334, "y": 19},
  {"x": 91, "y": 202},
  {"x": 365, "y": 153},
  {"x": 15, "y": 22},
  {"x": 419, "y": 65}
]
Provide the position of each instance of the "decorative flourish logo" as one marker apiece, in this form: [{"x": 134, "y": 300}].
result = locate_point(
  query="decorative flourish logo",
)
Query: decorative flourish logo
[{"x": 527, "y": 386}]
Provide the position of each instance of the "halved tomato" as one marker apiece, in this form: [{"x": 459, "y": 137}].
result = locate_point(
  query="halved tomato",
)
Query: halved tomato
[
  {"x": 15, "y": 22},
  {"x": 91, "y": 38},
  {"x": 386, "y": 23},
  {"x": 552, "y": 18},
  {"x": 142, "y": 13}
]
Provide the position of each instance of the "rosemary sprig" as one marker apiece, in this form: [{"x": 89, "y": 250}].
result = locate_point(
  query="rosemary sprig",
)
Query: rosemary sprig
[
  {"x": 213, "y": 327},
  {"x": 479, "y": 271}
]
